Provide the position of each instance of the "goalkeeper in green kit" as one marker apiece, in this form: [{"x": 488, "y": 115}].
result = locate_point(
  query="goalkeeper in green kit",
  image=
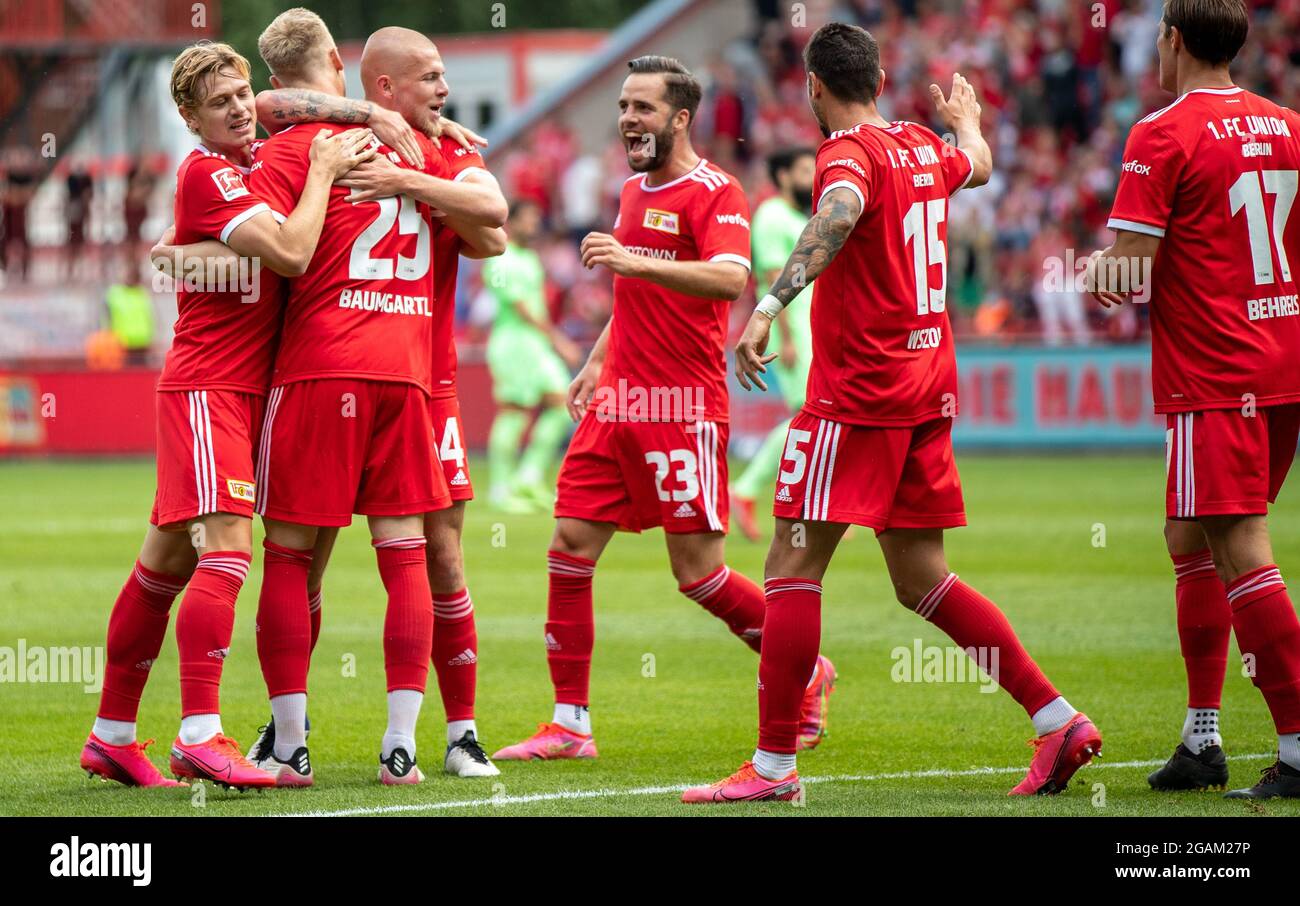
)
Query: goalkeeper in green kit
[
  {"x": 776, "y": 227},
  {"x": 529, "y": 360}
]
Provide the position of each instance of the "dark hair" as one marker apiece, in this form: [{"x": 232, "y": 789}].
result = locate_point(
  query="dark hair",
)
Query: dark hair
[
  {"x": 519, "y": 205},
  {"x": 847, "y": 60},
  {"x": 681, "y": 89},
  {"x": 784, "y": 159},
  {"x": 1214, "y": 31}
]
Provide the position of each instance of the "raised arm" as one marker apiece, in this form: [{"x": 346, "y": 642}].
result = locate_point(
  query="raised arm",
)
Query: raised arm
[
  {"x": 960, "y": 112},
  {"x": 281, "y": 107}
]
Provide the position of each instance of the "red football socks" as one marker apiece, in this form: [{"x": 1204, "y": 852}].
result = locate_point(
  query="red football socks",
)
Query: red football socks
[
  {"x": 791, "y": 639},
  {"x": 204, "y": 626},
  {"x": 1268, "y": 635},
  {"x": 136, "y": 629},
  {"x": 284, "y": 620},
  {"x": 1204, "y": 626},
  {"x": 408, "y": 623},
  {"x": 570, "y": 626},
  {"x": 455, "y": 653},
  {"x": 973, "y": 621},
  {"x": 733, "y": 599}
]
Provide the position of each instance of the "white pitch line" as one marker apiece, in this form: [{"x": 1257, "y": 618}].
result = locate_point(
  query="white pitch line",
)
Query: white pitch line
[{"x": 566, "y": 795}]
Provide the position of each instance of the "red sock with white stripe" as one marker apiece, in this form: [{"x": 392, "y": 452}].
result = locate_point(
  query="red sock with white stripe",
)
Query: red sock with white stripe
[
  {"x": 455, "y": 655},
  {"x": 570, "y": 626},
  {"x": 733, "y": 599},
  {"x": 792, "y": 631},
  {"x": 1268, "y": 635},
  {"x": 1204, "y": 627},
  {"x": 136, "y": 628},
  {"x": 973, "y": 621},
  {"x": 408, "y": 622},
  {"x": 204, "y": 626}
]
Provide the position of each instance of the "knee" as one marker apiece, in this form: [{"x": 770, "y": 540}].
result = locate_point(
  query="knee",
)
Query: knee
[
  {"x": 910, "y": 593},
  {"x": 570, "y": 541},
  {"x": 446, "y": 573},
  {"x": 1183, "y": 538}
]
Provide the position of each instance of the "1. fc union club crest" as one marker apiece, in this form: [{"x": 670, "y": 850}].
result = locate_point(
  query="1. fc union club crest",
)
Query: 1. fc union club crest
[{"x": 663, "y": 221}]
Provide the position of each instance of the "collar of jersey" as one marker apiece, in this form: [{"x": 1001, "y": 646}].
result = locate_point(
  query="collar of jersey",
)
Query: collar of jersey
[
  {"x": 1233, "y": 90},
  {"x": 239, "y": 167},
  {"x": 892, "y": 127},
  {"x": 685, "y": 176}
]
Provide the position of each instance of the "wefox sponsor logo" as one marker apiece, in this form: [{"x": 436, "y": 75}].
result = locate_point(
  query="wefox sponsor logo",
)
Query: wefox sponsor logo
[
  {"x": 733, "y": 220},
  {"x": 40, "y": 664},
  {"x": 948, "y": 664},
  {"x": 213, "y": 275},
  {"x": 75, "y": 859},
  {"x": 627, "y": 403},
  {"x": 1137, "y": 168}
]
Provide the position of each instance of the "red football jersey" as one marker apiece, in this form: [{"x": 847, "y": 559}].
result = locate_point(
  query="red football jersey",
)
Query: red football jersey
[
  {"x": 364, "y": 308},
  {"x": 1215, "y": 176},
  {"x": 882, "y": 345},
  {"x": 223, "y": 340},
  {"x": 665, "y": 342},
  {"x": 446, "y": 262}
]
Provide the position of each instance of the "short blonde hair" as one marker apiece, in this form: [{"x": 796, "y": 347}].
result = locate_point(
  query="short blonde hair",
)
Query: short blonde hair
[
  {"x": 195, "y": 63},
  {"x": 295, "y": 43}
]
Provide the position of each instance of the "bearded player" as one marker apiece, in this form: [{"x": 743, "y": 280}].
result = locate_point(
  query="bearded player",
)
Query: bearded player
[
  {"x": 211, "y": 396},
  {"x": 680, "y": 255},
  {"x": 1206, "y": 193},
  {"x": 402, "y": 72},
  {"x": 872, "y": 445}
]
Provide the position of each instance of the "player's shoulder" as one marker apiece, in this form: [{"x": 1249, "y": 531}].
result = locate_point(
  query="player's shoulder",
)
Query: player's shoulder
[
  {"x": 854, "y": 147},
  {"x": 202, "y": 165}
]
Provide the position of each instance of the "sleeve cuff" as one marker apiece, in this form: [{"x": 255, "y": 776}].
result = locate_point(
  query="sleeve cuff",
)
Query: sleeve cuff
[
  {"x": 734, "y": 259},
  {"x": 1134, "y": 227},
  {"x": 246, "y": 214},
  {"x": 843, "y": 184},
  {"x": 467, "y": 171}
]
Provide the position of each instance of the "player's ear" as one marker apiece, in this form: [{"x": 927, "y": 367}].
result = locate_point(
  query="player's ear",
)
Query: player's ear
[
  {"x": 880, "y": 89},
  {"x": 276, "y": 83},
  {"x": 335, "y": 60}
]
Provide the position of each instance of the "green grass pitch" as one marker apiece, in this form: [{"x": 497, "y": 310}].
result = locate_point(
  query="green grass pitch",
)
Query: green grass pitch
[{"x": 673, "y": 693}]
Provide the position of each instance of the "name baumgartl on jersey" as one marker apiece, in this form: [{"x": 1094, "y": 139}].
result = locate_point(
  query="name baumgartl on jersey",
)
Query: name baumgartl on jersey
[{"x": 385, "y": 303}]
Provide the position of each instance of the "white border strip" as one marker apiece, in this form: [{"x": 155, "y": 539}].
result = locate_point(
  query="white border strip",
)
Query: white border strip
[{"x": 606, "y": 793}]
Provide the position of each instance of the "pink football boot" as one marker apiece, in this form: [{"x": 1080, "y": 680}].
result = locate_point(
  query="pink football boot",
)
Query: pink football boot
[
  {"x": 746, "y": 785},
  {"x": 1058, "y": 755},
  {"x": 551, "y": 741},
  {"x": 126, "y": 764}
]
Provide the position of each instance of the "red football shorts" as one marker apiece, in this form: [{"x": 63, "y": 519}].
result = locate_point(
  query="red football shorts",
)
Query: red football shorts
[
  {"x": 334, "y": 447},
  {"x": 884, "y": 478},
  {"x": 449, "y": 447},
  {"x": 1223, "y": 462},
  {"x": 206, "y": 440},
  {"x": 639, "y": 475}
]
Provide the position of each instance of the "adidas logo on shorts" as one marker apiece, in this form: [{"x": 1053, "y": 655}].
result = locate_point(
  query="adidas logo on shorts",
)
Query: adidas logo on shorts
[
  {"x": 460, "y": 478},
  {"x": 685, "y": 511},
  {"x": 465, "y": 658},
  {"x": 551, "y": 643},
  {"x": 783, "y": 494}
]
